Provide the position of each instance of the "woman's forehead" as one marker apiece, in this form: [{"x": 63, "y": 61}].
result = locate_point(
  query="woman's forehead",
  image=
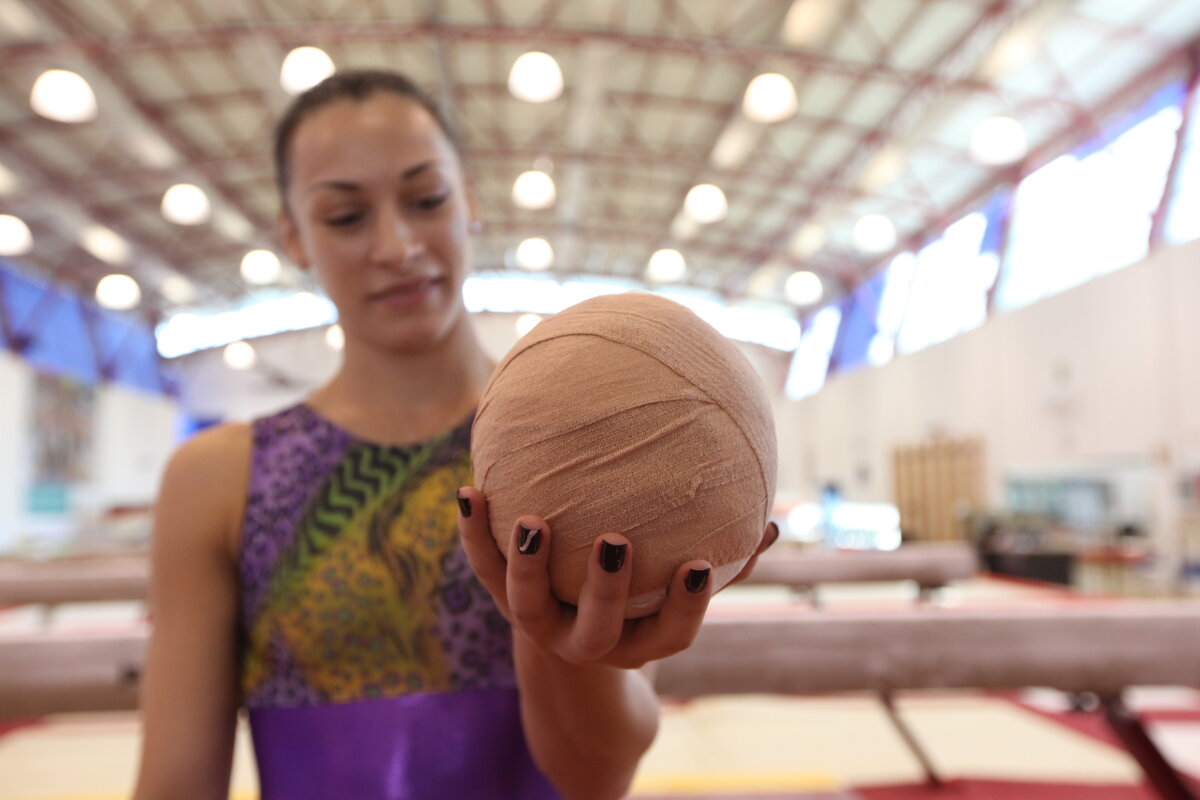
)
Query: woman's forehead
[{"x": 383, "y": 133}]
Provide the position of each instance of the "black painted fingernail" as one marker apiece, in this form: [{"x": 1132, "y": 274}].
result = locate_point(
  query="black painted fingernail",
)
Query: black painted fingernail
[
  {"x": 464, "y": 505},
  {"x": 696, "y": 580},
  {"x": 612, "y": 556},
  {"x": 775, "y": 529},
  {"x": 530, "y": 540}
]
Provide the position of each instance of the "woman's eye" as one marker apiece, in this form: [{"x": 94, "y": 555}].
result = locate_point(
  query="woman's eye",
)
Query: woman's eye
[
  {"x": 342, "y": 220},
  {"x": 432, "y": 202}
]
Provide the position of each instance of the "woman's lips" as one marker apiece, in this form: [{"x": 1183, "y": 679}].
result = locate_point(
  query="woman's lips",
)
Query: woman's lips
[{"x": 407, "y": 294}]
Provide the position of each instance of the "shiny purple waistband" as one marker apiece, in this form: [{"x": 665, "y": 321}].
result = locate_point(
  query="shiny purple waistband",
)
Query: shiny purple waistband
[{"x": 467, "y": 745}]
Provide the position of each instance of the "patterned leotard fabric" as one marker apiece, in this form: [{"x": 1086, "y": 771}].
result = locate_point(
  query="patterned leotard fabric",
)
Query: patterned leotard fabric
[{"x": 373, "y": 662}]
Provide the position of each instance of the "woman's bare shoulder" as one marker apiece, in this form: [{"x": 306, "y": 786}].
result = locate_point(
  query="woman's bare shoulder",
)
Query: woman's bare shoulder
[
  {"x": 216, "y": 454},
  {"x": 206, "y": 482}
]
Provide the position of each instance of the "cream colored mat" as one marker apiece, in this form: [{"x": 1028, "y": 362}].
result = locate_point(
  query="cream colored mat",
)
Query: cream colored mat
[
  {"x": 764, "y": 742},
  {"x": 90, "y": 757},
  {"x": 716, "y": 744}
]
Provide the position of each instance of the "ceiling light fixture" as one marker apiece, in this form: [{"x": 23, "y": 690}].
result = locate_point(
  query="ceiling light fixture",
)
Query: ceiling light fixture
[
  {"x": 535, "y": 78},
  {"x": 178, "y": 289},
  {"x": 535, "y": 254},
  {"x": 666, "y": 266},
  {"x": 8, "y": 181},
  {"x": 684, "y": 227},
  {"x": 335, "y": 337},
  {"x": 803, "y": 288},
  {"x": 105, "y": 244},
  {"x": 303, "y": 68},
  {"x": 15, "y": 236},
  {"x": 1014, "y": 50},
  {"x": 63, "y": 96},
  {"x": 17, "y": 20},
  {"x": 767, "y": 281},
  {"x": 186, "y": 204},
  {"x": 736, "y": 143},
  {"x": 769, "y": 98},
  {"x": 998, "y": 141},
  {"x": 150, "y": 149},
  {"x": 239, "y": 355},
  {"x": 118, "y": 292},
  {"x": 261, "y": 267},
  {"x": 706, "y": 203},
  {"x": 534, "y": 190},
  {"x": 883, "y": 169},
  {"x": 874, "y": 233},
  {"x": 807, "y": 241},
  {"x": 527, "y": 322},
  {"x": 808, "y": 21}
]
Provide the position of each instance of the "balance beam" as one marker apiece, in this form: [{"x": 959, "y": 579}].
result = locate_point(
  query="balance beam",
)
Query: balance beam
[
  {"x": 74, "y": 580},
  {"x": 54, "y": 673},
  {"x": 929, "y": 565},
  {"x": 1075, "y": 649},
  {"x": 1093, "y": 649},
  {"x": 1098, "y": 648}
]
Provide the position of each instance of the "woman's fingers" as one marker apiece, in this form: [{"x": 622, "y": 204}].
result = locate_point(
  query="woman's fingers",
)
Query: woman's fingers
[
  {"x": 601, "y": 618},
  {"x": 530, "y": 600},
  {"x": 770, "y": 536},
  {"x": 674, "y": 627},
  {"x": 476, "y": 533},
  {"x": 597, "y": 631}
]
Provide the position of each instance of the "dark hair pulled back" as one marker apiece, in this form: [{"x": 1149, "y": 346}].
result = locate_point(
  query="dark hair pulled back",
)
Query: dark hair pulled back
[{"x": 356, "y": 85}]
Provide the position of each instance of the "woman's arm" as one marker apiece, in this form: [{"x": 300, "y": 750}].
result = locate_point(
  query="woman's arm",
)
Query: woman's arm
[
  {"x": 589, "y": 714},
  {"x": 189, "y": 687},
  {"x": 587, "y": 725}
]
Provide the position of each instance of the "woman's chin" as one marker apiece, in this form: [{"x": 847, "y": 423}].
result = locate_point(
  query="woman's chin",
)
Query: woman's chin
[{"x": 419, "y": 335}]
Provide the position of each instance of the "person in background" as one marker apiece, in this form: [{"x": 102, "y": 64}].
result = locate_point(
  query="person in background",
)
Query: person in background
[
  {"x": 315, "y": 568},
  {"x": 831, "y": 500}
]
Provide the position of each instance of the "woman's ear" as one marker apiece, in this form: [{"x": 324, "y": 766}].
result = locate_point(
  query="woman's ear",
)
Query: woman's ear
[
  {"x": 290, "y": 238},
  {"x": 474, "y": 223}
]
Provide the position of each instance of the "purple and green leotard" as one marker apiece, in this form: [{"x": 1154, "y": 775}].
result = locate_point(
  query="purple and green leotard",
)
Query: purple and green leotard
[{"x": 373, "y": 663}]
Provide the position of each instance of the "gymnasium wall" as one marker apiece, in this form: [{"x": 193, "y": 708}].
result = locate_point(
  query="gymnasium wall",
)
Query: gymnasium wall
[
  {"x": 14, "y": 459},
  {"x": 1104, "y": 376},
  {"x": 1105, "y": 373},
  {"x": 1101, "y": 381},
  {"x": 132, "y": 435}
]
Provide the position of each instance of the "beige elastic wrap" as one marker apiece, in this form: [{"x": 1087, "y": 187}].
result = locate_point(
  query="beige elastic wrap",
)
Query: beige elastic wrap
[{"x": 630, "y": 414}]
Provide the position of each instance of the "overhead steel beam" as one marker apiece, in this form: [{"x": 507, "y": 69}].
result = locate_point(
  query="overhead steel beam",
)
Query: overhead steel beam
[
  {"x": 636, "y": 162},
  {"x": 1068, "y": 137},
  {"x": 1158, "y": 222},
  {"x": 747, "y": 53},
  {"x": 846, "y": 172},
  {"x": 445, "y": 75},
  {"x": 103, "y": 60},
  {"x": 57, "y": 203},
  {"x": 621, "y": 233},
  {"x": 583, "y": 124},
  {"x": 1070, "y": 134}
]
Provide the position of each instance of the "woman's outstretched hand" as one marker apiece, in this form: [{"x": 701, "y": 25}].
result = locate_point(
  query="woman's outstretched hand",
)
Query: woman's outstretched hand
[{"x": 595, "y": 632}]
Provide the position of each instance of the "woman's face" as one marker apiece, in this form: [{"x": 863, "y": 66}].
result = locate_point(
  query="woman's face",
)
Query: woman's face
[{"x": 376, "y": 207}]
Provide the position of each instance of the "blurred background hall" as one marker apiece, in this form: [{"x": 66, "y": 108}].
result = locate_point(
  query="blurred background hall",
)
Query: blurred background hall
[{"x": 956, "y": 238}]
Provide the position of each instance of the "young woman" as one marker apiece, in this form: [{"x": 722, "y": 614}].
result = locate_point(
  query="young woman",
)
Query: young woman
[{"x": 316, "y": 567}]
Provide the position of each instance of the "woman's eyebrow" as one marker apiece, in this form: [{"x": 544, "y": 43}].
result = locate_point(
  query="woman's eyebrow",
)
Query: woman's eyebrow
[
  {"x": 341, "y": 185},
  {"x": 414, "y": 171},
  {"x": 351, "y": 186}
]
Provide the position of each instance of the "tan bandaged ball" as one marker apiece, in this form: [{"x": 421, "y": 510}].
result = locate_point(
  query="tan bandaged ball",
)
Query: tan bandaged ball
[{"x": 628, "y": 413}]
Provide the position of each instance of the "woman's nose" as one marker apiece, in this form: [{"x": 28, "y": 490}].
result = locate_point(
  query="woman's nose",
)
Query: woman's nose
[{"x": 394, "y": 240}]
